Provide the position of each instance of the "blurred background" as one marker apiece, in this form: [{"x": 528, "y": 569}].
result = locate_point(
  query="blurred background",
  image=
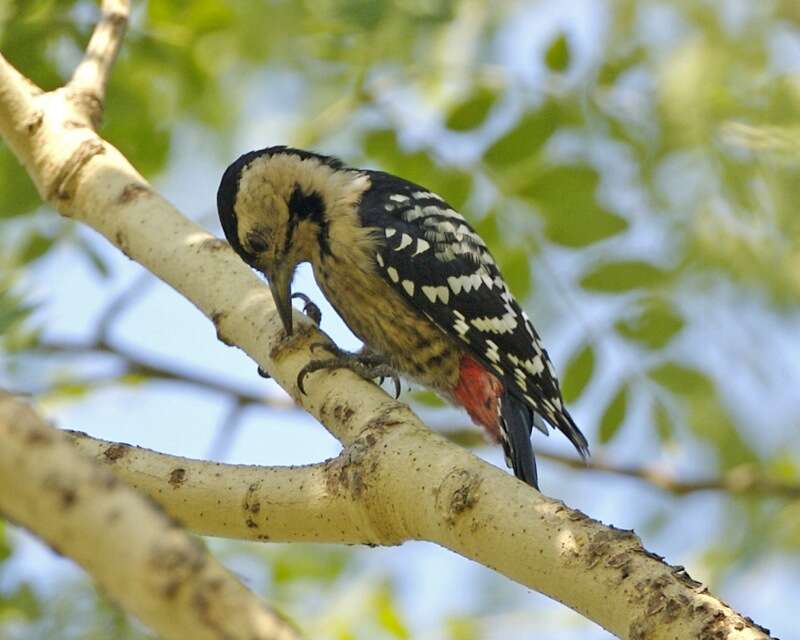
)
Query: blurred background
[{"x": 634, "y": 166}]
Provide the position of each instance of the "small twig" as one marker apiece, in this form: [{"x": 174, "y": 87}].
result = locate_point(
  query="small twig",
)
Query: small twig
[
  {"x": 91, "y": 76},
  {"x": 137, "y": 365},
  {"x": 226, "y": 432},
  {"x": 118, "y": 305},
  {"x": 739, "y": 481}
]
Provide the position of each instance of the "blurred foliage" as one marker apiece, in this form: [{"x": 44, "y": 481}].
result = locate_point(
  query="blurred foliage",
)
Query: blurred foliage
[{"x": 640, "y": 197}]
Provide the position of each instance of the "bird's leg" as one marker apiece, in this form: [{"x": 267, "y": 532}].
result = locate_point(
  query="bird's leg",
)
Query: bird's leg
[
  {"x": 310, "y": 309},
  {"x": 365, "y": 363}
]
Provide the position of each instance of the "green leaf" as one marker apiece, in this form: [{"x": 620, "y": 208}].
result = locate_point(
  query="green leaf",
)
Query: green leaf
[
  {"x": 388, "y": 617},
  {"x": 471, "y": 113},
  {"x": 93, "y": 257},
  {"x": 12, "y": 312},
  {"x": 5, "y": 545},
  {"x": 663, "y": 422},
  {"x": 22, "y": 603},
  {"x": 516, "y": 267},
  {"x": 578, "y": 373},
  {"x": 656, "y": 324},
  {"x": 566, "y": 198},
  {"x": 558, "y": 55},
  {"x": 307, "y": 563},
  {"x": 427, "y": 399},
  {"x": 681, "y": 379},
  {"x": 624, "y": 275},
  {"x": 488, "y": 230},
  {"x": 18, "y": 195},
  {"x": 34, "y": 247},
  {"x": 525, "y": 139},
  {"x": 462, "y": 628},
  {"x": 453, "y": 185},
  {"x": 614, "y": 415},
  {"x": 72, "y": 390}
]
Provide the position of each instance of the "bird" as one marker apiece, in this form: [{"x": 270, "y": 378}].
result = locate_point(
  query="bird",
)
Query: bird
[{"x": 411, "y": 279}]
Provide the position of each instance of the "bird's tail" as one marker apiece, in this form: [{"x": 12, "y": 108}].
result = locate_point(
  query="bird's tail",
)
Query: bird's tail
[
  {"x": 562, "y": 421},
  {"x": 516, "y": 421}
]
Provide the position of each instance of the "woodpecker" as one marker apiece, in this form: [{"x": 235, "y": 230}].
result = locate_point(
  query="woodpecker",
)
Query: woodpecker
[{"x": 409, "y": 276}]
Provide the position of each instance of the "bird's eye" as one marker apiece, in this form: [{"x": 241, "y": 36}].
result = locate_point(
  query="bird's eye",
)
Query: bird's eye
[{"x": 257, "y": 243}]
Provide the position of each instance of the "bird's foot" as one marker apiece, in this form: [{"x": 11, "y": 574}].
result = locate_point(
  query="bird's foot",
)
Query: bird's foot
[
  {"x": 364, "y": 364},
  {"x": 310, "y": 309}
]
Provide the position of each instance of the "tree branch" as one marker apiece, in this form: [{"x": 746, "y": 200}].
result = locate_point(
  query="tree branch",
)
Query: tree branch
[
  {"x": 246, "y": 502},
  {"x": 152, "y": 368},
  {"x": 91, "y": 76},
  {"x": 141, "y": 557},
  {"x": 741, "y": 480}
]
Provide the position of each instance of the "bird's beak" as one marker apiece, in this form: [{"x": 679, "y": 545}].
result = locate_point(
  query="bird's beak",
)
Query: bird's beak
[{"x": 280, "y": 286}]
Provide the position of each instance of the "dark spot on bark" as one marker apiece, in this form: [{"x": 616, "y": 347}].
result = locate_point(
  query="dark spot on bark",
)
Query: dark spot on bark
[
  {"x": 252, "y": 505},
  {"x": 177, "y": 477},
  {"x": 68, "y": 497},
  {"x": 115, "y": 452},
  {"x": 457, "y": 494},
  {"x": 464, "y": 498},
  {"x": 656, "y": 603},
  {"x": 68, "y": 174},
  {"x": 214, "y": 244},
  {"x": 343, "y": 414},
  {"x": 178, "y": 562},
  {"x": 621, "y": 561},
  {"x": 121, "y": 240},
  {"x": 132, "y": 191},
  {"x": 345, "y": 474},
  {"x": 38, "y": 437},
  {"x": 218, "y": 317},
  {"x": 33, "y": 125}
]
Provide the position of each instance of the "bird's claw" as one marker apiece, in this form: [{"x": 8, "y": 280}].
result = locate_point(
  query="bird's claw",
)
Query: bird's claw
[
  {"x": 312, "y": 311},
  {"x": 309, "y": 308},
  {"x": 367, "y": 366},
  {"x": 329, "y": 347}
]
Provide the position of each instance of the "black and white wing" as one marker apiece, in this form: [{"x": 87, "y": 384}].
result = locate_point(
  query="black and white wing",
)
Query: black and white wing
[{"x": 432, "y": 256}]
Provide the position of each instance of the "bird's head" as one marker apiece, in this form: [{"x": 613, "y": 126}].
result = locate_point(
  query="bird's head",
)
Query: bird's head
[{"x": 272, "y": 208}]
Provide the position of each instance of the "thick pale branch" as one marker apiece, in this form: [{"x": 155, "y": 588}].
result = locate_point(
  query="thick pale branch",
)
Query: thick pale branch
[
  {"x": 91, "y": 76},
  {"x": 19, "y": 117},
  {"x": 239, "y": 501},
  {"x": 407, "y": 482},
  {"x": 397, "y": 482},
  {"x": 141, "y": 557}
]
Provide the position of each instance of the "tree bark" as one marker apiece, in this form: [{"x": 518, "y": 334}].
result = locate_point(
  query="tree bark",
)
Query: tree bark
[{"x": 141, "y": 557}]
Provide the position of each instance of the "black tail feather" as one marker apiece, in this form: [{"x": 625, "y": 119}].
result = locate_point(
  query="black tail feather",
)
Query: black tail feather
[
  {"x": 566, "y": 425},
  {"x": 517, "y": 422}
]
